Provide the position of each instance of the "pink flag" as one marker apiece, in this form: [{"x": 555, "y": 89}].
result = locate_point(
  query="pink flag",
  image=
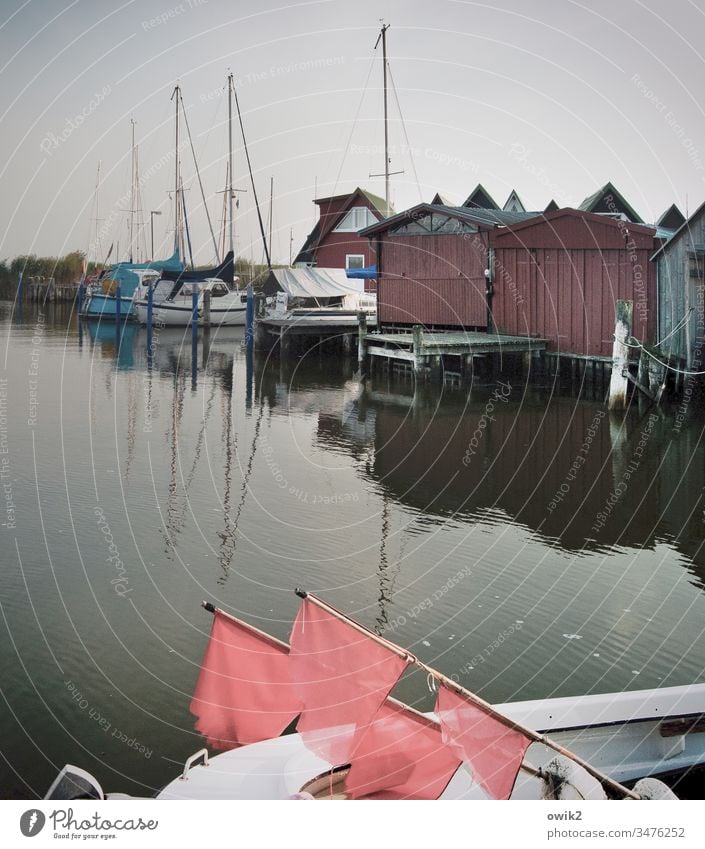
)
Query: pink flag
[
  {"x": 493, "y": 750},
  {"x": 342, "y": 677},
  {"x": 401, "y": 755},
  {"x": 243, "y": 694}
]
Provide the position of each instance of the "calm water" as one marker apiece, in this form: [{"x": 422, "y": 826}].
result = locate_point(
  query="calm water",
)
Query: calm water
[{"x": 529, "y": 545}]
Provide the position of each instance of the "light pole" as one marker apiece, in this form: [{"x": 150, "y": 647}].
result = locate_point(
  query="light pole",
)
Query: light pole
[{"x": 151, "y": 225}]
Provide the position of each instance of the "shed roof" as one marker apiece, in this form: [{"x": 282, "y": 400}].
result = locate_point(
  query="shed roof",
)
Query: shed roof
[
  {"x": 487, "y": 218},
  {"x": 513, "y": 203},
  {"x": 684, "y": 228},
  {"x": 551, "y": 221},
  {"x": 598, "y": 202},
  {"x": 672, "y": 218},
  {"x": 481, "y": 198},
  {"x": 441, "y": 200}
]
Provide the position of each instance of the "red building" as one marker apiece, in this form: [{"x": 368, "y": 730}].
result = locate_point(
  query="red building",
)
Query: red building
[
  {"x": 431, "y": 263},
  {"x": 559, "y": 275},
  {"x": 555, "y": 275},
  {"x": 335, "y": 241}
]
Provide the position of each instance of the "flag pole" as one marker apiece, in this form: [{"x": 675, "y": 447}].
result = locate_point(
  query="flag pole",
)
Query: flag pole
[
  {"x": 534, "y": 736},
  {"x": 263, "y": 634}
]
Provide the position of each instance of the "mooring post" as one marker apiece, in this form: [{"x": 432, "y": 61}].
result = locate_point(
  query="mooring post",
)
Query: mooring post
[
  {"x": 620, "y": 356},
  {"x": 361, "y": 339},
  {"x": 250, "y": 315},
  {"x": 19, "y": 288},
  {"x": 194, "y": 337},
  {"x": 419, "y": 359},
  {"x": 207, "y": 308},
  {"x": 194, "y": 315},
  {"x": 118, "y": 306},
  {"x": 150, "y": 322},
  {"x": 81, "y": 293}
]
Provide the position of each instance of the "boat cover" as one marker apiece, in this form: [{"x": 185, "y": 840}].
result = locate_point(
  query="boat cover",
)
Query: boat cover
[
  {"x": 367, "y": 273},
  {"x": 312, "y": 283},
  {"x": 173, "y": 263},
  {"x": 225, "y": 272}
]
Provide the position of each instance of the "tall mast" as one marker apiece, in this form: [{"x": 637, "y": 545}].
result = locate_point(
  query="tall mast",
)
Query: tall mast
[
  {"x": 385, "y": 27},
  {"x": 271, "y": 209},
  {"x": 132, "y": 192},
  {"x": 177, "y": 212},
  {"x": 230, "y": 157},
  {"x": 387, "y": 173}
]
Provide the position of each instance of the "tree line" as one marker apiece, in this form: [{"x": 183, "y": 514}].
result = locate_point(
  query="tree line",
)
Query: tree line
[
  {"x": 64, "y": 270},
  {"x": 67, "y": 270}
]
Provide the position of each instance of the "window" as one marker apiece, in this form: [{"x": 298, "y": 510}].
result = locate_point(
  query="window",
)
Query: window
[
  {"x": 218, "y": 290},
  {"x": 355, "y": 261},
  {"x": 356, "y": 219},
  {"x": 432, "y": 224}
]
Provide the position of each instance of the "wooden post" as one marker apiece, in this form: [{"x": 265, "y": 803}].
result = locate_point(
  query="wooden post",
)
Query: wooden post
[
  {"x": 620, "y": 354},
  {"x": 250, "y": 315},
  {"x": 361, "y": 339},
  {"x": 283, "y": 342},
  {"x": 207, "y": 295},
  {"x": 419, "y": 358}
]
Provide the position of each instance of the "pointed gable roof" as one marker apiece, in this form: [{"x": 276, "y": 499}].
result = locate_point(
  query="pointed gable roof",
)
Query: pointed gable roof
[
  {"x": 685, "y": 228},
  {"x": 331, "y": 211},
  {"x": 441, "y": 200},
  {"x": 551, "y": 206},
  {"x": 672, "y": 218},
  {"x": 609, "y": 200},
  {"x": 513, "y": 203},
  {"x": 479, "y": 197}
]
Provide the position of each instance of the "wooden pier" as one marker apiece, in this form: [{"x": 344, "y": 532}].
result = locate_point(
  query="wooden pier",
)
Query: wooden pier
[
  {"x": 49, "y": 292},
  {"x": 433, "y": 354}
]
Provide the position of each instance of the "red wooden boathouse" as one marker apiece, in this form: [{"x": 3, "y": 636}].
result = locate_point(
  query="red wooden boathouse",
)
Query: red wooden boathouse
[
  {"x": 558, "y": 276},
  {"x": 431, "y": 263}
]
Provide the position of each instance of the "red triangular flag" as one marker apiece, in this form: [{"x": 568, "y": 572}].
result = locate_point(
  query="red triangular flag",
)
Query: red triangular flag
[
  {"x": 243, "y": 694},
  {"x": 492, "y": 749},
  {"x": 400, "y": 755},
  {"x": 342, "y": 677}
]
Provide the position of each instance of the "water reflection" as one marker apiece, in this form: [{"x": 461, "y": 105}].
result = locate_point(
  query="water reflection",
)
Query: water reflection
[{"x": 569, "y": 471}]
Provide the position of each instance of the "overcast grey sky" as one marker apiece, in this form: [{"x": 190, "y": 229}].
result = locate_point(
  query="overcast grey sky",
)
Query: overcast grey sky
[{"x": 551, "y": 97}]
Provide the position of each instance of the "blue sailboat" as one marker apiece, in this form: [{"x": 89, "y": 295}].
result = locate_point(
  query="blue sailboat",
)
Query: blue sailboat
[{"x": 129, "y": 277}]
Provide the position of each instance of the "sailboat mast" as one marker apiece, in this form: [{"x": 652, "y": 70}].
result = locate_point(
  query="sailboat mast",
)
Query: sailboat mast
[
  {"x": 385, "y": 27},
  {"x": 132, "y": 192},
  {"x": 230, "y": 157},
  {"x": 271, "y": 210},
  {"x": 177, "y": 212}
]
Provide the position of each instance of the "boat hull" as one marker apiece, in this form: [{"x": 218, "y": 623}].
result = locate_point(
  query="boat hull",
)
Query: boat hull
[
  {"x": 180, "y": 316},
  {"x": 104, "y": 307}
]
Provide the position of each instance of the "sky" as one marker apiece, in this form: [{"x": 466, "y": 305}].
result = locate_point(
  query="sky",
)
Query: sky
[{"x": 550, "y": 98}]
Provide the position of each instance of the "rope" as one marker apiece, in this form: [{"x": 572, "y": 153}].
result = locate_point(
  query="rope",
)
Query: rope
[
  {"x": 680, "y": 324},
  {"x": 406, "y": 137},
  {"x": 639, "y": 346},
  {"x": 198, "y": 174},
  {"x": 354, "y": 123},
  {"x": 249, "y": 168}
]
